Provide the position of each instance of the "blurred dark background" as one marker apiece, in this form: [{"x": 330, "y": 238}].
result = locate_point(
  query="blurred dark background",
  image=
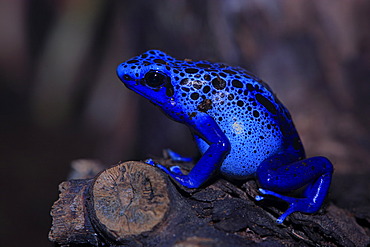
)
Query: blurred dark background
[{"x": 60, "y": 99}]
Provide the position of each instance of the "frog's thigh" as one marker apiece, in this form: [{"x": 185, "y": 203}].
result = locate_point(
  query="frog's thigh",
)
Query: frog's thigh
[{"x": 278, "y": 175}]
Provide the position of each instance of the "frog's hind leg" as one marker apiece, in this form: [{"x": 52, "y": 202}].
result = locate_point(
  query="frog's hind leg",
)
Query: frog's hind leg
[{"x": 275, "y": 175}]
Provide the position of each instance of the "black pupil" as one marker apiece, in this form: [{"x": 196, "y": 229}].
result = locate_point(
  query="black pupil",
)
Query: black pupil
[{"x": 155, "y": 79}]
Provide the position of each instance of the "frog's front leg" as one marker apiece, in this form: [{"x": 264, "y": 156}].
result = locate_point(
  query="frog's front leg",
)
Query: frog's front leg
[
  {"x": 275, "y": 175},
  {"x": 219, "y": 146}
]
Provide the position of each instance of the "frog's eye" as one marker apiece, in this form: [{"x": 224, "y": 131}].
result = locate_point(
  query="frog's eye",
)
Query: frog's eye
[{"x": 155, "y": 79}]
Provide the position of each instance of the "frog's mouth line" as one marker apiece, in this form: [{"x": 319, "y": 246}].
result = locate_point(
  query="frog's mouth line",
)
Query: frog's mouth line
[{"x": 147, "y": 92}]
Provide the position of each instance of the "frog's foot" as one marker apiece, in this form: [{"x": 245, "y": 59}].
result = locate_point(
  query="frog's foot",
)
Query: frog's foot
[
  {"x": 177, "y": 157},
  {"x": 176, "y": 170},
  {"x": 150, "y": 162},
  {"x": 176, "y": 174},
  {"x": 304, "y": 205}
]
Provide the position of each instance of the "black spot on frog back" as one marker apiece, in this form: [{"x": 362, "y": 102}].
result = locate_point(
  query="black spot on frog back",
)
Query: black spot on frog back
[
  {"x": 218, "y": 83},
  {"x": 266, "y": 103}
]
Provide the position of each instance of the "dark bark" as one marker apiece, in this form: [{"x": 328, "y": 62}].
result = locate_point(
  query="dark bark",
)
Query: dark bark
[{"x": 135, "y": 204}]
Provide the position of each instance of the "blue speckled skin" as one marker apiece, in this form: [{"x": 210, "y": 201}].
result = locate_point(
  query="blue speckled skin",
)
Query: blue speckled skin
[{"x": 240, "y": 127}]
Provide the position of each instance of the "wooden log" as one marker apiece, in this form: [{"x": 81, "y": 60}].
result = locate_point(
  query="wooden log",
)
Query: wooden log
[
  {"x": 135, "y": 204},
  {"x": 70, "y": 222},
  {"x": 128, "y": 200},
  {"x": 122, "y": 202}
]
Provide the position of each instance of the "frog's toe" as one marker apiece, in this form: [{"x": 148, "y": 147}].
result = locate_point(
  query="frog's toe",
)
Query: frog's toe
[
  {"x": 296, "y": 205},
  {"x": 272, "y": 193},
  {"x": 304, "y": 205},
  {"x": 282, "y": 217},
  {"x": 177, "y": 175},
  {"x": 176, "y": 170},
  {"x": 150, "y": 162},
  {"x": 177, "y": 157},
  {"x": 165, "y": 169}
]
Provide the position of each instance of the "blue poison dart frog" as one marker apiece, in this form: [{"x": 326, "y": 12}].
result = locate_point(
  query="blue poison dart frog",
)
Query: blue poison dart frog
[{"x": 239, "y": 125}]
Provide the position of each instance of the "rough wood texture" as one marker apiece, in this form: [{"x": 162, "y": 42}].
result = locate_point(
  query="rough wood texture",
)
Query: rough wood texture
[
  {"x": 70, "y": 220},
  {"x": 128, "y": 200},
  {"x": 134, "y": 204}
]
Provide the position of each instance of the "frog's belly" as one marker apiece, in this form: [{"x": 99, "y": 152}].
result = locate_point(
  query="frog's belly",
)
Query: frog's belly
[
  {"x": 244, "y": 158},
  {"x": 247, "y": 152},
  {"x": 242, "y": 164}
]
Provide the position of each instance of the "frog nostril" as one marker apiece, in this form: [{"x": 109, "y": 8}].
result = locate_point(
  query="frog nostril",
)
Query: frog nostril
[{"x": 127, "y": 78}]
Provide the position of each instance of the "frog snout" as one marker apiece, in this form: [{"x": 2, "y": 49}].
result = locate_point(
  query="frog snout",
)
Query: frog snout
[{"x": 120, "y": 71}]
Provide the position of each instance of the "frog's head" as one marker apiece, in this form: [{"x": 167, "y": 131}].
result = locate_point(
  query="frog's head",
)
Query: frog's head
[{"x": 148, "y": 76}]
